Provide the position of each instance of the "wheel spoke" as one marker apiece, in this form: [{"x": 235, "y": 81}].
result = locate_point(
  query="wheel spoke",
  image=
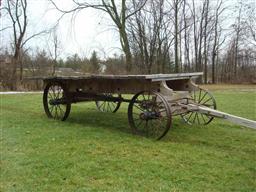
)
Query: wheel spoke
[
  {"x": 53, "y": 91},
  {"x": 55, "y": 112},
  {"x": 58, "y": 113},
  {"x": 209, "y": 105},
  {"x": 104, "y": 107},
  {"x": 108, "y": 105},
  {"x": 51, "y": 108},
  {"x": 202, "y": 97},
  {"x": 203, "y": 117},
  {"x": 207, "y": 101},
  {"x": 49, "y": 94},
  {"x": 199, "y": 95},
  {"x": 61, "y": 111},
  {"x": 198, "y": 121},
  {"x": 194, "y": 117},
  {"x": 144, "y": 99},
  {"x": 191, "y": 113},
  {"x": 101, "y": 105},
  {"x": 138, "y": 107},
  {"x": 58, "y": 94},
  {"x": 113, "y": 105}
]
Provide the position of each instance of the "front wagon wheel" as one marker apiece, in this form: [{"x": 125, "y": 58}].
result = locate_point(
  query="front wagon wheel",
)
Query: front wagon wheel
[
  {"x": 202, "y": 98},
  {"x": 55, "y": 101}
]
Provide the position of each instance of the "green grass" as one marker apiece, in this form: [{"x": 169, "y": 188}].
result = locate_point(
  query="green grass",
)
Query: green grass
[{"x": 94, "y": 151}]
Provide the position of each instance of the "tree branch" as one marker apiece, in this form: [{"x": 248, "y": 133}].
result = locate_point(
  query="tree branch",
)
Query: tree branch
[
  {"x": 137, "y": 10},
  {"x": 34, "y": 35}
]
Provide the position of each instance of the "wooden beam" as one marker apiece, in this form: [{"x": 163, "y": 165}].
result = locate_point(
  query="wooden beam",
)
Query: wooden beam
[{"x": 232, "y": 118}]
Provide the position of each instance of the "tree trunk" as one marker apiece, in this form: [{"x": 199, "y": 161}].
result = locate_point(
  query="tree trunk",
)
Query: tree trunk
[
  {"x": 128, "y": 57},
  {"x": 126, "y": 48},
  {"x": 21, "y": 70},
  {"x": 176, "y": 42},
  {"x": 205, "y": 42}
]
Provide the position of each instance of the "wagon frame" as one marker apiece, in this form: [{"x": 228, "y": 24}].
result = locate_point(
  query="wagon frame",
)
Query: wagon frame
[{"x": 157, "y": 98}]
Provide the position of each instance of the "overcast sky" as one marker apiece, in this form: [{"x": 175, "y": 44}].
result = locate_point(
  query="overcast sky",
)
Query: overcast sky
[{"x": 89, "y": 30}]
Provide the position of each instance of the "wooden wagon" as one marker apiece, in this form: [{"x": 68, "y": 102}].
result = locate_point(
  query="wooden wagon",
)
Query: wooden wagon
[{"x": 156, "y": 99}]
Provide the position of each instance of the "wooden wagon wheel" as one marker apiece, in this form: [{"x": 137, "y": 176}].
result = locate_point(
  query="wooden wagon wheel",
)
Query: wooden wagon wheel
[
  {"x": 204, "y": 98},
  {"x": 149, "y": 115},
  {"x": 54, "y": 92},
  {"x": 109, "y": 106}
]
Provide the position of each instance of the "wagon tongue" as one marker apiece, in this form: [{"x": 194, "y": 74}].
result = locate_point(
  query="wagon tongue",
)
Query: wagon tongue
[{"x": 215, "y": 113}]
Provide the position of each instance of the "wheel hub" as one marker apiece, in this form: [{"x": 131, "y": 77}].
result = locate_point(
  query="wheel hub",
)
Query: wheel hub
[
  {"x": 148, "y": 115},
  {"x": 57, "y": 101}
]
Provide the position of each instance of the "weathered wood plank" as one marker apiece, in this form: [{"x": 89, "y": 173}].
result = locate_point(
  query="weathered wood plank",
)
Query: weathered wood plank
[
  {"x": 162, "y": 77},
  {"x": 152, "y": 77}
]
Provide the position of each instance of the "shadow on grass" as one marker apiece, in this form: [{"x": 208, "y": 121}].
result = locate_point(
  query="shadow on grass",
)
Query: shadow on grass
[
  {"x": 88, "y": 117},
  {"x": 94, "y": 119},
  {"x": 181, "y": 132},
  {"x": 119, "y": 122}
]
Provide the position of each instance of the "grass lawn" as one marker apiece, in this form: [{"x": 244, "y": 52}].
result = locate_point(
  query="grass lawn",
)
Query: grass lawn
[{"x": 93, "y": 151}]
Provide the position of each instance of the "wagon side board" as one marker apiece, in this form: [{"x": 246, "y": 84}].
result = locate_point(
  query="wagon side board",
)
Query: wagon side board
[
  {"x": 120, "y": 86},
  {"x": 173, "y": 91},
  {"x": 125, "y": 86}
]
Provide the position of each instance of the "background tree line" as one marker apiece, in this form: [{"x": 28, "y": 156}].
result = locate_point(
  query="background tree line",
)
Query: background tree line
[{"x": 165, "y": 36}]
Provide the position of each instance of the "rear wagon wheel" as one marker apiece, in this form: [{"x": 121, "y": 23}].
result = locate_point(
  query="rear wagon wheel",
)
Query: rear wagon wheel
[
  {"x": 109, "y": 106},
  {"x": 55, "y": 91},
  {"x": 149, "y": 115}
]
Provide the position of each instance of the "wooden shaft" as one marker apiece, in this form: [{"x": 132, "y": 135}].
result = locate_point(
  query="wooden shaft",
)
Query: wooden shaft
[{"x": 232, "y": 118}]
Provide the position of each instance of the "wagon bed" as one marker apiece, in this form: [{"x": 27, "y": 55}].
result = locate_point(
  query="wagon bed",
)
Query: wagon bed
[{"x": 157, "y": 98}]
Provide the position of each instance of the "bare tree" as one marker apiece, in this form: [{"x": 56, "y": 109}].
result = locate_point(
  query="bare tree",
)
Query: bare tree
[
  {"x": 177, "y": 30},
  {"x": 198, "y": 19},
  {"x": 54, "y": 49},
  {"x": 216, "y": 39},
  {"x": 205, "y": 36},
  {"x": 251, "y": 24},
  {"x": 149, "y": 37},
  {"x": 17, "y": 12},
  {"x": 238, "y": 30},
  {"x": 187, "y": 27},
  {"x": 119, "y": 13}
]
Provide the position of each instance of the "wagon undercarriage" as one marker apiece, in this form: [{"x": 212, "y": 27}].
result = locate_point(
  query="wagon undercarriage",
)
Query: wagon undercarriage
[{"x": 157, "y": 98}]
